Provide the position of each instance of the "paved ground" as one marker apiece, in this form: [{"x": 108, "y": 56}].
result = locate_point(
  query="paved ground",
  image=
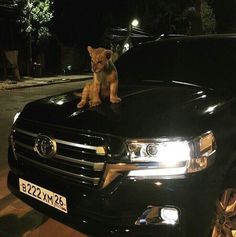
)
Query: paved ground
[{"x": 41, "y": 81}]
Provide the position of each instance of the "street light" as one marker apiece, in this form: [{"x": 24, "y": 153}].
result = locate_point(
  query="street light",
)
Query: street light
[
  {"x": 134, "y": 23},
  {"x": 128, "y": 42}
]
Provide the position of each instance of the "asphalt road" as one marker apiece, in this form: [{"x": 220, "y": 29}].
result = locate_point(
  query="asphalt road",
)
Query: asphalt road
[{"x": 16, "y": 218}]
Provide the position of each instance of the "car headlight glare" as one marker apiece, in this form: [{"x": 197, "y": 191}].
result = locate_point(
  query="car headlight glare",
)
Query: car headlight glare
[
  {"x": 168, "y": 152},
  {"x": 171, "y": 156}
]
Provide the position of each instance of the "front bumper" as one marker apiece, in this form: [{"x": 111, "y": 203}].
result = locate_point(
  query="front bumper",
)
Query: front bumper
[{"x": 114, "y": 210}]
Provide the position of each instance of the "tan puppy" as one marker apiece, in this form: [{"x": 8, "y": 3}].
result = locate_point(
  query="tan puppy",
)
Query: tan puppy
[{"x": 105, "y": 79}]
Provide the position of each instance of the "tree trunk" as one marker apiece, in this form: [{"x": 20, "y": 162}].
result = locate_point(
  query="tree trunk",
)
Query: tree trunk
[{"x": 197, "y": 20}]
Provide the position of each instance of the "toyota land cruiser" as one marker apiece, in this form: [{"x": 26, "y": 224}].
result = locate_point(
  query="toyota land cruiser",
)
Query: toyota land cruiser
[{"x": 160, "y": 163}]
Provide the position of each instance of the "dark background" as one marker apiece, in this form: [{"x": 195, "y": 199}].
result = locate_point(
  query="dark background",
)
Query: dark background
[
  {"x": 84, "y": 23},
  {"x": 77, "y": 24}
]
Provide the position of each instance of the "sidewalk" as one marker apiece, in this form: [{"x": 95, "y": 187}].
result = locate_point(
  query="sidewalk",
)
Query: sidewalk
[{"x": 41, "y": 81}]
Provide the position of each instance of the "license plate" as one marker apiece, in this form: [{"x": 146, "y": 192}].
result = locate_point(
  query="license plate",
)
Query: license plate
[{"x": 44, "y": 195}]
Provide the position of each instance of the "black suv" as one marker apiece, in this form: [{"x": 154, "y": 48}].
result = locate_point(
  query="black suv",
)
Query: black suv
[{"x": 160, "y": 163}]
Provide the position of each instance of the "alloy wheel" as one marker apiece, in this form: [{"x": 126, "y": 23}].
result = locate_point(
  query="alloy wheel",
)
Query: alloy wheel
[{"x": 225, "y": 222}]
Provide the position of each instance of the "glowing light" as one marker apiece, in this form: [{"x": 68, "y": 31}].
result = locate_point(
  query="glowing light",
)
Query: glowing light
[
  {"x": 158, "y": 183},
  {"x": 200, "y": 92},
  {"x": 126, "y": 46},
  {"x": 211, "y": 109},
  {"x": 170, "y": 215},
  {"x": 60, "y": 102},
  {"x": 157, "y": 172},
  {"x": 135, "y": 22},
  {"x": 172, "y": 152},
  {"x": 169, "y": 153}
]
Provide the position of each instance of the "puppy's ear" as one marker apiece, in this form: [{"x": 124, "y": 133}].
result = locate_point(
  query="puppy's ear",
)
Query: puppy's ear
[
  {"x": 90, "y": 50},
  {"x": 108, "y": 53}
]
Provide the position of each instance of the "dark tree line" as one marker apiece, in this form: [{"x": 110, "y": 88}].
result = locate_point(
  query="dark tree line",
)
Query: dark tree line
[{"x": 175, "y": 16}]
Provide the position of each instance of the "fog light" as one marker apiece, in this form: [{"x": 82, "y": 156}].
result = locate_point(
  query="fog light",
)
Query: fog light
[
  {"x": 170, "y": 215},
  {"x": 156, "y": 215}
]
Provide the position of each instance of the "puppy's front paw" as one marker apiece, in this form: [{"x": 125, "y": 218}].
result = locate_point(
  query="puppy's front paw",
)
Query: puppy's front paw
[
  {"x": 115, "y": 100},
  {"x": 94, "y": 103},
  {"x": 81, "y": 104}
]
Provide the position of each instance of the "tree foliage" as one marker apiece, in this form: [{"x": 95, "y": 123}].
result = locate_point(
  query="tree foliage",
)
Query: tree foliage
[
  {"x": 35, "y": 16},
  {"x": 182, "y": 16},
  {"x": 208, "y": 18}
]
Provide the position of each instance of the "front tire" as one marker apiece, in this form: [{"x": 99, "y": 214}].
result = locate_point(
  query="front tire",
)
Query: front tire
[{"x": 225, "y": 219}]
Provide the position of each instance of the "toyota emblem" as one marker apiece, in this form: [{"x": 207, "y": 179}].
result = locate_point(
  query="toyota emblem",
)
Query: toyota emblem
[{"x": 45, "y": 146}]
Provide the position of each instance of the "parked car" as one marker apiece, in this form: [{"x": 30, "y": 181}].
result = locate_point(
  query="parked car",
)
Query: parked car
[{"x": 160, "y": 163}]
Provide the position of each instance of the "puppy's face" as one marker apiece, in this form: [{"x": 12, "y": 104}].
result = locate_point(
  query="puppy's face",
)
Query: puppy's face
[{"x": 99, "y": 58}]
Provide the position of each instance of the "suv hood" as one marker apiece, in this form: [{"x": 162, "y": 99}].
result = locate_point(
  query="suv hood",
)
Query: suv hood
[{"x": 143, "y": 112}]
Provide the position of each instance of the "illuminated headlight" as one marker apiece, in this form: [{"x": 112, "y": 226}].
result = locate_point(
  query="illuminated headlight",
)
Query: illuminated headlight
[
  {"x": 161, "y": 157},
  {"x": 167, "y": 152},
  {"x": 170, "y": 215},
  {"x": 16, "y": 117}
]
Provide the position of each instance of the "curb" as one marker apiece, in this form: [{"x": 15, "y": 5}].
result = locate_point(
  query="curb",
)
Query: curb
[{"x": 44, "y": 83}]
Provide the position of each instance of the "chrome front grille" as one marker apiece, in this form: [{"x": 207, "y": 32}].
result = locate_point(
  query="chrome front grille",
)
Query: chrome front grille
[{"x": 81, "y": 161}]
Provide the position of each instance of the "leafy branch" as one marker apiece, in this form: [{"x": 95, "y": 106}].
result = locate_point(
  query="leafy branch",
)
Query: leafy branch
[{"x": 35, "y": 16}]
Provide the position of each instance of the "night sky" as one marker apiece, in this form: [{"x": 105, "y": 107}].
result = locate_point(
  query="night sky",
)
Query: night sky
[{"x": 81, "y": 24}]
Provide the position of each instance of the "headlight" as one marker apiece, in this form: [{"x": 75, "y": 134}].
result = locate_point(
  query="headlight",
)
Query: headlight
[
  {"x": 161, "y": 157},
  {"x": 166, "y": 152},
  {"x": 16, "y": 117}
]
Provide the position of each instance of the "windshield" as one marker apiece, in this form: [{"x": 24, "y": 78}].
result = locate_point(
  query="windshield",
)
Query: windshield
[{"x": 208, "y": 62}]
